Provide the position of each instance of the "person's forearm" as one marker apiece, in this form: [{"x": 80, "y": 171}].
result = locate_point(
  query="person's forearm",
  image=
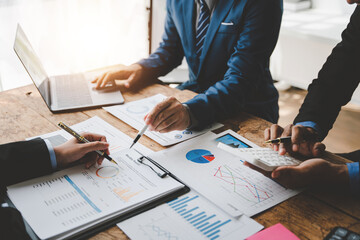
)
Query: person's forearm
[
  {"x": 168, "y": 55},
  {"x": 340, "y": 174},
  {"x": 29, "y": 159},
  {"x": 326, "y": 94}
]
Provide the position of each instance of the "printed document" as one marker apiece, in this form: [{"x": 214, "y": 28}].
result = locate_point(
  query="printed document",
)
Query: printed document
[
  {"x": 72, "y": 200},
  {"x": 133, "y": 113},
  {"x": 190, "y": 216},
  {"x": 221, "y": 177}
]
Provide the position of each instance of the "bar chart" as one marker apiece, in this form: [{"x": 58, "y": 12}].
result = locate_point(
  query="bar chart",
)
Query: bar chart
[
  {"x": 206, "y": 223},
  {"x": 190, "y": 216}
]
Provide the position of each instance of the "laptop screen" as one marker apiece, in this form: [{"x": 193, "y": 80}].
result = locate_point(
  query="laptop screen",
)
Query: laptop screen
[{"x": 32, "y": 64}]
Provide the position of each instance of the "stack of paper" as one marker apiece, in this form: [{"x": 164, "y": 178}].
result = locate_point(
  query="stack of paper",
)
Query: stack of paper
[
  {"x": 224, "y": 193},
  {"x": 73, "y": 200},
  {"x": 221, "y": 177},
  {"x": 190, "y": 216}
]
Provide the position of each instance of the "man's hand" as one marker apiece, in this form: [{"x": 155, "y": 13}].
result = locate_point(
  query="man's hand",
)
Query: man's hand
[
  {"x": 167, "y": 116},
  {"x": 310, "y": 172},
  {"x": 303, "y": 140},
  {"x": 131, "y": 76},
  {"x": 73, "y": 150}
]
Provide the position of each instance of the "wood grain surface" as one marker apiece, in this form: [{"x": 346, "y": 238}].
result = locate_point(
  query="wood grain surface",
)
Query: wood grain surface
[{"x": 310, "y": 215}]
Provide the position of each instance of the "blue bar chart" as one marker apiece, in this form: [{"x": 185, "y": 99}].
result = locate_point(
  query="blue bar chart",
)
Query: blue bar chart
[
  {"x": 190, "y": 216},
  {"x": 205, "y": 222}
]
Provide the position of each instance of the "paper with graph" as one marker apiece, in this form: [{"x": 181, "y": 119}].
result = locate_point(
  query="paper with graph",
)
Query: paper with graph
[
  {"x": 133, "y": 113},
  {"x": 77, "y": 198},
  {"x": 192, "y": 217},
  {"x": 221, "y": 177}
]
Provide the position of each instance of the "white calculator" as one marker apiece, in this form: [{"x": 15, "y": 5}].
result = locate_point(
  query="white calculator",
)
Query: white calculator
[{"x": 264, "y": 158}]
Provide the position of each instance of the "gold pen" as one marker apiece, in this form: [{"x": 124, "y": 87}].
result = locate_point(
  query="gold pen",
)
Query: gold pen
[
  {"x": 84, "y": 140},
  {"x": 279, "y": 140}
]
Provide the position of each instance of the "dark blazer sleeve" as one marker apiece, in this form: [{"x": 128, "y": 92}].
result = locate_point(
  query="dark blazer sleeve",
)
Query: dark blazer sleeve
[
  {"x": 336, "y": 82},
  {"x": 12, "y": 225},
  {"x": 21, "y": 161},
  {"x": 169, "y": 54}
]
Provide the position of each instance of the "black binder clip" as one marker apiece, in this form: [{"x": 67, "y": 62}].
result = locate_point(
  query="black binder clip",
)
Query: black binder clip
[{"x": 161, "y": 175}]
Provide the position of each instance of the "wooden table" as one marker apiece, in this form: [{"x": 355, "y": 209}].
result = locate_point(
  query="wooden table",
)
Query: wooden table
[{"x": 310, "y": 215}]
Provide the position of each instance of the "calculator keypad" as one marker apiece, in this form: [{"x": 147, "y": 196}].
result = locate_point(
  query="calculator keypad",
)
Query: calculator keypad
[
  {"x": 270, "y": 157},
  {"x": 340, "y": 233}
]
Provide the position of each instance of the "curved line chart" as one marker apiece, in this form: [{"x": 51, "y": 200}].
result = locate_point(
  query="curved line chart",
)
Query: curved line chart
[
  {"x": 160, "y": 233},
  {"x": 242, "y": 186},
  {"x": 107, "y": 172}
]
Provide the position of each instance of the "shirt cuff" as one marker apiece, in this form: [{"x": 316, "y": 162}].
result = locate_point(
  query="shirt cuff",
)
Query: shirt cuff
[
  {"x": 354, "y": 176},
  {"x": 312, "y": 125},
  {"x": 193, "y": 121},
  {"x": 52, "y": 154}
]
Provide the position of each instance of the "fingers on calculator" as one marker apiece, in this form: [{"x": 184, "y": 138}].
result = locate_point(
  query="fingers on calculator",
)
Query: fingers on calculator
[{"x": 264, "y": 158}]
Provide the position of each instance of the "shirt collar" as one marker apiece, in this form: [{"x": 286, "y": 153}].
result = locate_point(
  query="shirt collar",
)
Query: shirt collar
[{"x": 210, "y": 3}]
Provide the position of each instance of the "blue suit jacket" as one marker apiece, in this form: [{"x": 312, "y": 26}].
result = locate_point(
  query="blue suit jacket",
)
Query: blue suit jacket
[{"x": 232, "y": 74}]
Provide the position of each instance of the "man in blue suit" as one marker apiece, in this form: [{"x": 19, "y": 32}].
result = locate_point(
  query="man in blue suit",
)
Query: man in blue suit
[{"x": 227, "y": 45}]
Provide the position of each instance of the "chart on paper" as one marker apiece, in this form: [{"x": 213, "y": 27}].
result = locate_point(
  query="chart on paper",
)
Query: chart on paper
[
  {"x": 191, "y": 217},
  {"x": 73, "y": 197},
  {"x": 235, "y": 188},
  {"x": 70, "y": 204},
  {"x": 200, "y": 156},
  {"x": 133, "y": 113},
  {"x": 246, "y": 186}
]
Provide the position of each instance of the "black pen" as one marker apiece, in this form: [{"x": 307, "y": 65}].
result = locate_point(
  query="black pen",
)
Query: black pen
[
  {"x": 279, "y": 140},
  {"x": 84, "y": 140},
  {"x": 138, "y": 136}
]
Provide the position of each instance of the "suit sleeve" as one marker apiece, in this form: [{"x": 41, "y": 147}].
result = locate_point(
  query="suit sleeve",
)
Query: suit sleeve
[
  {"x": 336, "y": 81},
  {"x": 12, "y": 225},
  {"x": 21, "y": 161},
  {"x": 169, "y": 54},
  {"x": 246, "y": 65}
]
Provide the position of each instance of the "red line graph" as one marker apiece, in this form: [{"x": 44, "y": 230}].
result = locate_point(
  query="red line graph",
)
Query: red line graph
[{"x": 253, "y": 192}]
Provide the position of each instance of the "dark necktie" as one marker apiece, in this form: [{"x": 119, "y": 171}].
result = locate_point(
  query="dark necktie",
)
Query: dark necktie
[{"x": 202, "y": 27}]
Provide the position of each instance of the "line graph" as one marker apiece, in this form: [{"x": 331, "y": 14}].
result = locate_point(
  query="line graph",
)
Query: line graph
[
  {"x": 242, "y": 185},
  {"x": 107, "y": 172},
  {"x": 160, "y": 233}
]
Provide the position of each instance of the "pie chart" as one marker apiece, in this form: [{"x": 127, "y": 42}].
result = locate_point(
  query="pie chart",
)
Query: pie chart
[
  {"x": 107, "y": 172},
  {"x": 137, "y": 109},
  {"x": 200, "y": 156}
]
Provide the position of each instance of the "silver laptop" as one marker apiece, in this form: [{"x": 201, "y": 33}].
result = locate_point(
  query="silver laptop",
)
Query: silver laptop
[{"x": 62, "y": 92}]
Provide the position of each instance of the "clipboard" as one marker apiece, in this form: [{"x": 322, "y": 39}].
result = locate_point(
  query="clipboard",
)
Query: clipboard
[{"x": 92, "y": 230}]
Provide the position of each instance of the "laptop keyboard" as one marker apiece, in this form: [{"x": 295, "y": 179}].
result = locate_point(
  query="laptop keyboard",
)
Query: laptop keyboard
[{"x": 72, "y": 91}]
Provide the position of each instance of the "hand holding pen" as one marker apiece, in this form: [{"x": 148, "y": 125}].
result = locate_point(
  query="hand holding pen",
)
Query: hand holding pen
[
  {"x": 80, "y": 138},
  {"x": 139, "y": 135},
  {"x": 294, "y": 139}
]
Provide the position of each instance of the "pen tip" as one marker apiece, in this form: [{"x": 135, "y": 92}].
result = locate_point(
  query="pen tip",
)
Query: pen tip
[{"x": 131, "y": 145}]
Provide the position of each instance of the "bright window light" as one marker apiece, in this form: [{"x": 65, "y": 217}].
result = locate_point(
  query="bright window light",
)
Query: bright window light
[{"x": 73, "y": 35}]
